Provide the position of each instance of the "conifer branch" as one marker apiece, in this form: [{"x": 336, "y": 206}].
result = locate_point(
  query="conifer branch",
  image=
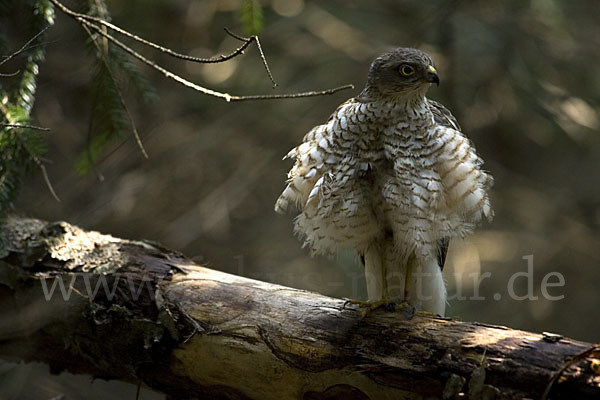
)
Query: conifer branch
[
  {"x": 103, "y": 55},
  {"x": 31, "y": 153},
  {"x": 13, "y": 124}
]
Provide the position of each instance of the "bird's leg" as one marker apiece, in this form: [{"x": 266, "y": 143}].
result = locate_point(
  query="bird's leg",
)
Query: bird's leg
[
  {"x": 372, "y": 305},
  {"x": 385, "y": 301},
  {"x": 417, "y": 289},
  {"x": 376, "y": 285},
  {"x": 385, "y": 296},
  {"x": 407, "y": 279},
  {"x": 409, "y": 309}
]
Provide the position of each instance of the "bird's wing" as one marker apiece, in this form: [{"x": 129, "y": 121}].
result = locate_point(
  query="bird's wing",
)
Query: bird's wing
[
  {"x": 444, "y": 118},
  {"x": 442, "y": 115},
  {"x": 316, "y": 157},
  {"x": 327, "y": 182}
]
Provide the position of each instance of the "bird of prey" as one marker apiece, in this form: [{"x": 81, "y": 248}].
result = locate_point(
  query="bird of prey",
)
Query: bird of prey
[{"x": 390, "y": 175}]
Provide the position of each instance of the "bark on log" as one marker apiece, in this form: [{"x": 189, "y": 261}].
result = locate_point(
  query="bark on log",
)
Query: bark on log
[{"x": 157, "y": 318}]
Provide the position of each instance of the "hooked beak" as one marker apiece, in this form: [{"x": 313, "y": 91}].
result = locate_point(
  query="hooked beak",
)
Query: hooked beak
[{"x": 432, "y": 75}]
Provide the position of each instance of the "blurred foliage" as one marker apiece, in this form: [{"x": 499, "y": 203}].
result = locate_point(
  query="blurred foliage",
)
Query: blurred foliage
[
  {"x": 252, "y": 17},
  {"x": 113, "y": 71},
  {"x": 108, "y": 117},
  {"x": 521, "y": 76}
]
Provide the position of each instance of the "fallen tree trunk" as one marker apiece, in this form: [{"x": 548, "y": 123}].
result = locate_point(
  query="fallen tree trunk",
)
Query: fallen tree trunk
[{"x": 134, "y": 311}]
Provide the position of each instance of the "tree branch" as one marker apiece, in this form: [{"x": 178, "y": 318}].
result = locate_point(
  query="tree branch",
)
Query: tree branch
[
  {"x": 135, "y": 311},
  {"x": 25, "y": 126},
  {"x": 23, "y": 48},
  {"x": 99, "y": 26}
]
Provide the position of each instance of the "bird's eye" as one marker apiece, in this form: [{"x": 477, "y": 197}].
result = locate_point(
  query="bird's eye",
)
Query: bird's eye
[{"x": 406, "y": 70}]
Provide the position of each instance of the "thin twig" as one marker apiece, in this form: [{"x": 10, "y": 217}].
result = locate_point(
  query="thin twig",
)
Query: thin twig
[
  {"x": 41, "y": 166},
  {"x": 10, "y": 74},
  {"x": 260, "y": 51},
  {"x": 228, "y": 97},
  {"x": 575, "y": 359},
  {"x": 24, "y": 47},
  {"x": 39, "y": 128},
  {"x": 104, "y": 56},
  {"x": 264, "y": 60},
  {"x": 91, "y": 22},
  {"x": 291, "y": 95},
  {"x": 152, "y": 64},
  {"x": 215, "y": 59}
]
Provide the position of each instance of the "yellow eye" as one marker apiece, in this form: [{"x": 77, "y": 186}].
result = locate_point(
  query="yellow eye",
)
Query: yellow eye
[{"x": 406, "y": 70}]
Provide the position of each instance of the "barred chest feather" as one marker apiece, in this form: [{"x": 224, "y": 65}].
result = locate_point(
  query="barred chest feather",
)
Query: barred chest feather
[{"x": 379, "y": 168}]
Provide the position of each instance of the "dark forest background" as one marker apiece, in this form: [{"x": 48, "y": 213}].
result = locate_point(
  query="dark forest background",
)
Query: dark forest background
[{"x": 521, "y": 76}]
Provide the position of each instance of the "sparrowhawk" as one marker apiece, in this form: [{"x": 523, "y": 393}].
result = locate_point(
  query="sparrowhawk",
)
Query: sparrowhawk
[{"x": 391, "y": 176}]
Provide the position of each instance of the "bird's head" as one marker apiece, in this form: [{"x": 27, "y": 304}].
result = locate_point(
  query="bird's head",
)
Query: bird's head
[{"x": 402, "y": 72}]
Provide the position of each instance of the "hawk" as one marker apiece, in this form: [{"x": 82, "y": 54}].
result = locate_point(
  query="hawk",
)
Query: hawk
[{"x": 390, "y": 175}]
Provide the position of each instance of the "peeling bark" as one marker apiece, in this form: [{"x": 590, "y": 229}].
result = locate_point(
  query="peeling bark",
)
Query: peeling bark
[{"x": 157, "y": 318}]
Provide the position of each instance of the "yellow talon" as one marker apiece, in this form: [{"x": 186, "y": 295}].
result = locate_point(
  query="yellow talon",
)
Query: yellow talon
[{"x": 384, "y": 303}]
